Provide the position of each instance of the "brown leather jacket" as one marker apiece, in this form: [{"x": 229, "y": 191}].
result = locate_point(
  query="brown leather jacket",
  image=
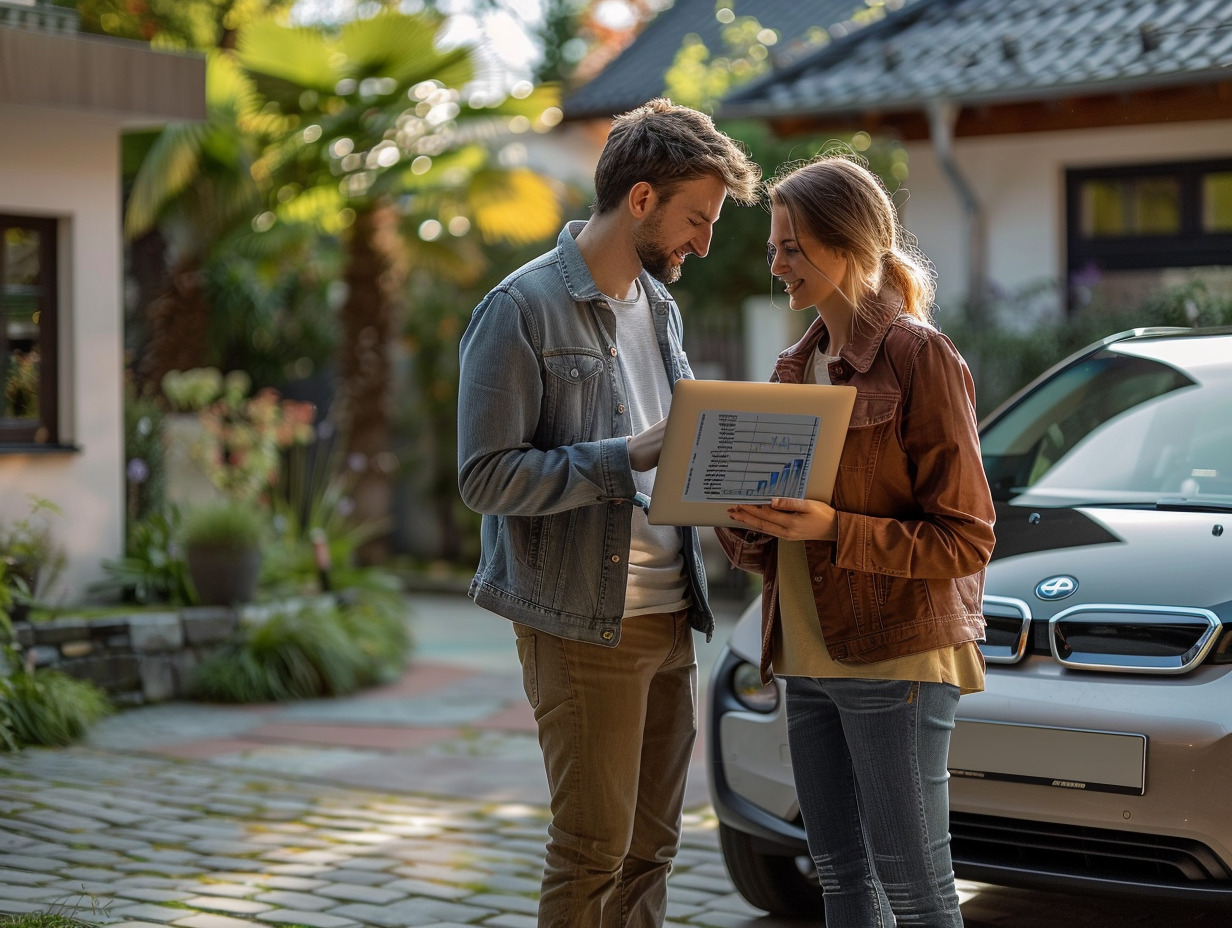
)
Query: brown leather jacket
[{"x": 915, "y": 516}]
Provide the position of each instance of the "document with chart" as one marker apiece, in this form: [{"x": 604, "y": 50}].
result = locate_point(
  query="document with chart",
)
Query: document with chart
[{"x": 732, "y": 442}]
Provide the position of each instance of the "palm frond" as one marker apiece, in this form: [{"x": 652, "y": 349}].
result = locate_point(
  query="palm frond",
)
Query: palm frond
[
  {"x": 300, "y": 56},
  {"x": 516, "y": 205},
  {"x": 403, "y": 48},
  {"x": 169, "y": 167}
]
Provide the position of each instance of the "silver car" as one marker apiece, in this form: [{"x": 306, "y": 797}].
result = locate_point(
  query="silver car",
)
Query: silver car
[{"x": 1099, "y": 758}]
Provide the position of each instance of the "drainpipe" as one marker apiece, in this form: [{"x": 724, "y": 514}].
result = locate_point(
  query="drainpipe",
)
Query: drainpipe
[{"x": 942, "y": 115}]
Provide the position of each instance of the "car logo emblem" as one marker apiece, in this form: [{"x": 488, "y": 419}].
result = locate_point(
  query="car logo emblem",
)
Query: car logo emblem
[{"x": 1056, "y": 587}]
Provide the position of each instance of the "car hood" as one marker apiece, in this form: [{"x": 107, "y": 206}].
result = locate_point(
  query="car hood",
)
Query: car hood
[{"x": 1116, "y": 555}]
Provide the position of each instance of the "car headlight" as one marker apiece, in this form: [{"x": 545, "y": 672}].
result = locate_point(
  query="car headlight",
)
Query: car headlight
[{"x": 750, "y": 692}]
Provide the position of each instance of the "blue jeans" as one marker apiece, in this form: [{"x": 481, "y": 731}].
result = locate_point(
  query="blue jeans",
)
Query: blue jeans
[{"x": 870, "y": 759}]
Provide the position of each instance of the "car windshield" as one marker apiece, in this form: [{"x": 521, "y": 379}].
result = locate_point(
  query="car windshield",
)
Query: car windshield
[{"x": 1115, "y": 428}]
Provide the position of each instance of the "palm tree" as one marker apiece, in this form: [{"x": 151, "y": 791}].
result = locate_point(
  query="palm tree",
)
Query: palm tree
[
  {"x": 194, "y": 185},
  {"x": 387, "y": 146}
]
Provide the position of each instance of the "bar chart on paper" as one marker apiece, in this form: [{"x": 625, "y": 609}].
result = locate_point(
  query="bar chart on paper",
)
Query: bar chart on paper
[{"x": 750, "y": 457}]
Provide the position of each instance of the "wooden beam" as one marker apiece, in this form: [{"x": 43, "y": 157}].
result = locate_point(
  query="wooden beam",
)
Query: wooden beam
[{"x": 1143, "y": 107}]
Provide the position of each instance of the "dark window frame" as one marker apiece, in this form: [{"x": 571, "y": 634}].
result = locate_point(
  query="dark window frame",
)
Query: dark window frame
[
  {"x": 45, "y": 430},
  {"x": 1190, "y": 247}
]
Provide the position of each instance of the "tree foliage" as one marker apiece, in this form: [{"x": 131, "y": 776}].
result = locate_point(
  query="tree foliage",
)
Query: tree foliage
[{"x": 189, "y": 24}]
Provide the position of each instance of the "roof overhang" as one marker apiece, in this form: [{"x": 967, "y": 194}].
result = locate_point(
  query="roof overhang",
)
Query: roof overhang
[
  {"x": 125, "y": 80},
  {"x": 1055, "y": 110}
]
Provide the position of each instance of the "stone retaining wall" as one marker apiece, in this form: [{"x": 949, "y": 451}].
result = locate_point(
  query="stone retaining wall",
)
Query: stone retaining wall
[{"x": 144, "y": 656}]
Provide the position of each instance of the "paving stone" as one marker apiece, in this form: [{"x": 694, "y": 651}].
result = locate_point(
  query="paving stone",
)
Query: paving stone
[
  {"x": 373, "y": 863},
  {"x": 515, "y": 884},
  {"x": 355, "y": 893},
  {"x": 311, "y": 919},
  {"x": 293, "y": 900},
  {"x": 511, "y": 921},
  {"x": 505, "y": 903},
  {"x": 224, "y": 863},
  {"x": 221, "y": 847},
  {"x": 695, "y": 881},
  {"x": 97, "y": 858},
  {"x": 426, "y": 888},
  {"x": 13, "y": 907},
  {"x": 150, "y": 894},
  {"x": 30, "y": 863},
  {"x": 148, "y": 912},
  {"x": 294, "y": 883},
  {"x": 233, "y": 889},
  {"x": 23, "y": 878},
  {"x": 150, "y": 866},
  {"x": 28, "y": 893},
  {"x": 209, "y": 920},
  {"x": 228, "y": 904},
  {"x": 303, "y": 857},
  {"x": 411, "y": 912},
  {"x": 49, "y": 818},
  {"x": 361, "y": 877},
  {"x": 682, "y": 910}
]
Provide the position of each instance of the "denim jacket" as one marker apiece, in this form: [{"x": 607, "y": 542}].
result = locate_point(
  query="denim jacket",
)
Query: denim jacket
[{"x": 542, "y": 448}]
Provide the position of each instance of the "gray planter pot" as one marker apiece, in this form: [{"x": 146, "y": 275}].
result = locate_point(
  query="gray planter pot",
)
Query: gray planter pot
[{"x": 223, "y": 576}]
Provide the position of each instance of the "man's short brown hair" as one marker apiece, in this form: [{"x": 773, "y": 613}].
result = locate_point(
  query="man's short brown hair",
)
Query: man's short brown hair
[{"x": 665, "y": 144}]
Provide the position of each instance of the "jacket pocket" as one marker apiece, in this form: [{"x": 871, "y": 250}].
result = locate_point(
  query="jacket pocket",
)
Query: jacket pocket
[
  {"x": 872, "y": 424},
  {"x": 571, "y": 387},
  {"x": 527, "y": 536}
]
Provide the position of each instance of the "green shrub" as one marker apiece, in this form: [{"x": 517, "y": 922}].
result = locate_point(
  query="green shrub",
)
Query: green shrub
[
  {"x": 1002, "y": 360},
  {"x": 306, "y": 654},
  {"x": 153, "y": 568},
  {"x": 47, "y": 708},
  {"x": 224, "y": 524}
]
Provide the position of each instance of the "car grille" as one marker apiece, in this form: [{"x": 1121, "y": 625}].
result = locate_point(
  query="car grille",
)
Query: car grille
[
  {"x": 1108, "y": 637},
  {"x": 1047, "y": 847}
]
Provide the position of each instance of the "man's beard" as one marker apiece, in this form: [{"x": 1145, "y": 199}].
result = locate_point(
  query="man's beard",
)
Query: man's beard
[{"x": 656, "y": 261}]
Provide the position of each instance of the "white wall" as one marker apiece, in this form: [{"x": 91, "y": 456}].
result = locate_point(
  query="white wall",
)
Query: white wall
[
  {"x": 65, "y": 164},
  {"x": 1020, "y": 181}
]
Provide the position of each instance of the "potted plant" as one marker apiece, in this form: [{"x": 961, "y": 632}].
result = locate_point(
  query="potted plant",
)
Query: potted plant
[{"x": 222, "y": 547}]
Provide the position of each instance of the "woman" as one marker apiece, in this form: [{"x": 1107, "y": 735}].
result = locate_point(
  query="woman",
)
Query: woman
[{"x": 872, "y": 606}]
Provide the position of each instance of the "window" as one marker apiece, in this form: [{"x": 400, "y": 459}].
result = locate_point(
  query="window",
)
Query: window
[
  {"x": 28, "y": 331},
  {"x": 1136, "y": 229}
]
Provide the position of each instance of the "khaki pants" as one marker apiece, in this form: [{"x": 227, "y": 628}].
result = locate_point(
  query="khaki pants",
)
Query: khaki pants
[{"x": 617, "y": 728}]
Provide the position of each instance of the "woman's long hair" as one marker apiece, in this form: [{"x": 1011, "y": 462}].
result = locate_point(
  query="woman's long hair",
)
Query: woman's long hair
[{"x": 844, "y": 206}]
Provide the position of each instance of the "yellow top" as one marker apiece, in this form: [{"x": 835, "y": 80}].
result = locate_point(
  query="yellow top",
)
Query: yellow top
[{"x": 799, "y": 648}]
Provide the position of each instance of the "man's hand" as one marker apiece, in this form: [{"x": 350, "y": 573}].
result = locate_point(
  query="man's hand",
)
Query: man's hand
[
  {"x": 790, "y": 519},
  {"x": 645, "y": 447}
]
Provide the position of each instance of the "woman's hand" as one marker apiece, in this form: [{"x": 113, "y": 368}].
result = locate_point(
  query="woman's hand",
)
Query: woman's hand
[
  {"x": 790, "y": 519},
  {"x": 645, "y": 447}
]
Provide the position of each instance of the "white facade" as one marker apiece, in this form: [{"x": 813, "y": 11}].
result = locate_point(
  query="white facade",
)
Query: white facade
[
  {"x": 65, "y": 165},
  {"x": 64, "y": 100},
  {"x": 1019, "y": 181}
]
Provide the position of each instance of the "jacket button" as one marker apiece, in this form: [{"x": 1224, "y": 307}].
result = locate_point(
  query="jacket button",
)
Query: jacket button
[
  {"x": 608, "y": 634},
  {"x": 621, "y": 408},
  {"x": 615, "y": 558},
  {"x": 818, "y": 579},
  {"x": 574, "y": 373},
  {"x": 612, "y": 349}
]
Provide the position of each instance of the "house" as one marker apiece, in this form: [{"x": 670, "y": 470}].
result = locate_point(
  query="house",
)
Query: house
[
  {"x": 639, "y": 72},
  {"x": 64, "y": 99},
  {"x": 1084, "y": 144}
]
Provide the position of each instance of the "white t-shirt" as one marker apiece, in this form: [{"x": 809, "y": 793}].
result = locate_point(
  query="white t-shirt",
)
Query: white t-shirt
[{"x": 657, "y": 581}]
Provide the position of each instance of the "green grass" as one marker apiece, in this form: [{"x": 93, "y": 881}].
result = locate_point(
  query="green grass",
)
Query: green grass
[{"x": 41, "y": 920}]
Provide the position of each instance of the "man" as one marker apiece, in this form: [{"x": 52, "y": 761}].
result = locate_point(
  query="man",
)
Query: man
[{"x": 566, "y": 376}]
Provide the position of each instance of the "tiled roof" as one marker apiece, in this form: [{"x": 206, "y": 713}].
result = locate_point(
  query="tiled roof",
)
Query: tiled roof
[
  {"x": 990, "y": 51},
  {"x": 637, "y": 74}
]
